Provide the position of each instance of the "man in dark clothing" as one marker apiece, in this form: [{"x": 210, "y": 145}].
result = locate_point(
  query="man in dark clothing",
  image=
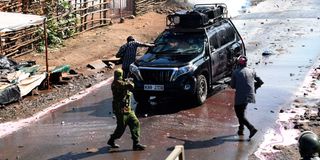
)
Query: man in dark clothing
[
  {"x": 244, "y": 80},
  {"x": 128, "y": 53},
  {"x": 121, "y": 106}
]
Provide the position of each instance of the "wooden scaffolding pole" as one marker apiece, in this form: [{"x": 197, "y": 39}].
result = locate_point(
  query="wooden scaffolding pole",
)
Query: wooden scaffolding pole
[{"x": 46, "y": 50}]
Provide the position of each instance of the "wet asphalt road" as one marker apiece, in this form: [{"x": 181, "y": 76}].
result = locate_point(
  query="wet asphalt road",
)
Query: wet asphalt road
[
  {"x": 207, "y": 131},
  {"x": 69, "y": 132}
]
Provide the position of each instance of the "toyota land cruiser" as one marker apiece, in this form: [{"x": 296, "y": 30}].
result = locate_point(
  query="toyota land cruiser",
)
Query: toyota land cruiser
[{"x": 197, "y": 49}]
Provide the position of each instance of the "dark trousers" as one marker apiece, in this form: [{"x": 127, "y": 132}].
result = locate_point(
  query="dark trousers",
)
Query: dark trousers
[
  {"x": 125, "y": 72},
  {"x": 240, "y": 112},
  {"x": 124, "y": 120}
]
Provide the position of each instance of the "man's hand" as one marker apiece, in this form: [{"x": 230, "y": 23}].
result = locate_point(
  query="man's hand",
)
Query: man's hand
[{"x": 129, "y": 79}]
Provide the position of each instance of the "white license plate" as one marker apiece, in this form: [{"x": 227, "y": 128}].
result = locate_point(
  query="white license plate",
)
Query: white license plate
[{"x": 151, "y": 87}]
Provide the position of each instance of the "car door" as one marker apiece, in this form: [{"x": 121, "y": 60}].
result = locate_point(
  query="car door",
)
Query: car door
[
  {"x": 214, "y": 55},
  {"x": 225, "y": 38}
]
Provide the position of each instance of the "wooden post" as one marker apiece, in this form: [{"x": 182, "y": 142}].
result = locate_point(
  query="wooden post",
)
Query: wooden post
[
  {"x": 19, "y": 8},
  {"x": 70, "y": 6},
  {"x": 120, "y": 8},
  {"x": 100, "y": 14},
  {"x": 104, "y": 11},
  {"x": 113, "y": 6},
  {"x": 85, "y": 5},
  {"x": 46, "y": 50},
  {"x": 1, "y": 44},
  {"x": 134, "y": 8},
  {"x": 75, "y": 14},
  {"x": 177, "y": 153},
  {"x": 92, "y": 14},
  {"x": 81, "y": 18}
]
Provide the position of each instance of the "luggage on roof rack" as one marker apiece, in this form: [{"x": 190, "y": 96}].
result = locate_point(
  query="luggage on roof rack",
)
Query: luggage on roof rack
[{"x": 201, "y": 15}]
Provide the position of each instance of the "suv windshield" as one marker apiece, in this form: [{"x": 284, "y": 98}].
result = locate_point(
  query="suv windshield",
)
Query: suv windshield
[{"x": 179, "y": 43}]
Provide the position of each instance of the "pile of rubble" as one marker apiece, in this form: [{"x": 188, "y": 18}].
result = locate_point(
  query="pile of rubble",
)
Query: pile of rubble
[{"x": 30, "y": 93}]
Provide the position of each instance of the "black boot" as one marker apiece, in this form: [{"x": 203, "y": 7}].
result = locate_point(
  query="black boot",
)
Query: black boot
[
  {"x": 253, "y": 131},
  {"x": 112, "y": 144},
  {"x": 138, "y": 147}
]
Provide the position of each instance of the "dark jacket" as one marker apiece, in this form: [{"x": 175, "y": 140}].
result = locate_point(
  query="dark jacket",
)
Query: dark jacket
[{"x": 243, "y": 81}]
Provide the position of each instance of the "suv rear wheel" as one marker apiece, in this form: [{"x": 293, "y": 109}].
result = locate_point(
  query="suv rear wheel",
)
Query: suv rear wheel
[{"x": 201, "y": 89}]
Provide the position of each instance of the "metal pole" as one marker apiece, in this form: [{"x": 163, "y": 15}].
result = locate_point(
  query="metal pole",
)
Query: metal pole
[{"x": 46, "y": 50}]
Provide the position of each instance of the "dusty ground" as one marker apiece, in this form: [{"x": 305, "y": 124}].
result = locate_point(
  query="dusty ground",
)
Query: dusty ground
[
  {"x": 102, "y": 42},
  {"x": 78, "y": 51}
]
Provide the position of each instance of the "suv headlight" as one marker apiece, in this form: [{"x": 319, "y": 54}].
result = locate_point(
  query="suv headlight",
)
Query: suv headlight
[
  {"x": 183, "y": 70},
  {"x": 135, "y": 70},
  {"x": 176, "y": 20}
]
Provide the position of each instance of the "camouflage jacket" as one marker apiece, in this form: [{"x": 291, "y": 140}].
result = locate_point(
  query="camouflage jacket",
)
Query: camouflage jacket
[{"x": 121, "y": 96}]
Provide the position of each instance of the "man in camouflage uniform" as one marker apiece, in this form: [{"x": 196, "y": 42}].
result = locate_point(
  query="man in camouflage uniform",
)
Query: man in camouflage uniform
[{"x": 121, "y": 106}]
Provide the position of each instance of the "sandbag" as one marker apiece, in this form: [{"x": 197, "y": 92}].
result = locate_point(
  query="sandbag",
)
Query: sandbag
[{"x": 9, "y": 94}]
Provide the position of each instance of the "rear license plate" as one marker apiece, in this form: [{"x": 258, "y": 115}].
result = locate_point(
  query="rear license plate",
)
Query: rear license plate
[{"x": 152, "y": 87}]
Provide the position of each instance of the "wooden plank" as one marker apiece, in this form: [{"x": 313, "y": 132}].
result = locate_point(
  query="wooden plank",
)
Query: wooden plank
[
  {"x": 19, "y": 46},
  {"x": 94, "y": 12},
  {"x": 105, "y": 19}
]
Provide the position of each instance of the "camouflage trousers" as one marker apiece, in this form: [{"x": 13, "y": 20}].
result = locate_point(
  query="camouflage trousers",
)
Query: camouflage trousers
[{"x": 124, "y": 120}]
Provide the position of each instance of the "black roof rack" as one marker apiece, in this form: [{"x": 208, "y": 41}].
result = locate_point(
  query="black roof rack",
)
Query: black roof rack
[{"x": 200, "y": 16}]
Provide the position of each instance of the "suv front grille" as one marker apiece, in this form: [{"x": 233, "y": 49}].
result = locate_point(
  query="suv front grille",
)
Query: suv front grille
[{"x": 156, "y": 76}]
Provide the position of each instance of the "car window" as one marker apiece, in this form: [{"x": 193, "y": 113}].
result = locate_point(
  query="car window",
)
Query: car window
[
  {"x": 230, "y": 32},
  {"x": 214, "y": 42},
  {"x": 222, "y": 37},
  {"x": 179, "y": 43},
  {"x": 225, "y": 34}
]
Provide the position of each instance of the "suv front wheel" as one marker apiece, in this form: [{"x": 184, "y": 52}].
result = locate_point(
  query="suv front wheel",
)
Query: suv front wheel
[{"x": 201, "y": 89}]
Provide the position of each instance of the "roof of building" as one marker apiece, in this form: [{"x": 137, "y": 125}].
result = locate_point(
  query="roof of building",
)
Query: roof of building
[{"x": 10, "y": 21}]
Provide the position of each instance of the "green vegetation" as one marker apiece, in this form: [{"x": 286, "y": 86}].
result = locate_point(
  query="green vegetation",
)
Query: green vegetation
[{"x": 59, "y": 27}]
